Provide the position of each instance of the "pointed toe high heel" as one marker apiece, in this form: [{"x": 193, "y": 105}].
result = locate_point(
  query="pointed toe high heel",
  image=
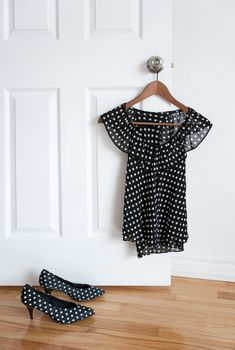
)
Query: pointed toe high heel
[
  {"x": 78, "y": 291},
  {"x": 61, "y": 311}
]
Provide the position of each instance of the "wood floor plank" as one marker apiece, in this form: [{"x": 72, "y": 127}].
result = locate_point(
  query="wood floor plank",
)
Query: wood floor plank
[{"x": 191, "y": 314}]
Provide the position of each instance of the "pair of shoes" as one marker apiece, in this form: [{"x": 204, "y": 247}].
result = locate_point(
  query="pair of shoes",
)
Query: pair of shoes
[{"x": 61, "y": 311}]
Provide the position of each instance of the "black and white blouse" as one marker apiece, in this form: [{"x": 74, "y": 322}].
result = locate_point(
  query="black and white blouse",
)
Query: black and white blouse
[{"x": 154, "y": 213}]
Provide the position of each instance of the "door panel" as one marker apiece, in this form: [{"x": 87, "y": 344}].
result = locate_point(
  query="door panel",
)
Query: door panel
[{"x": 63, "y": 63}]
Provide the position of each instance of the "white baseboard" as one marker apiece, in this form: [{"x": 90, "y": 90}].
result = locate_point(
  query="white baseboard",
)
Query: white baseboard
[{"x": 197, "y": 267}]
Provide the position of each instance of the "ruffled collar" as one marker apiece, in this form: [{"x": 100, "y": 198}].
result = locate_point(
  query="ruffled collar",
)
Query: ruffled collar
[
  {"x": 161, "y": 155},
  {"x": 135, "y": 114}
]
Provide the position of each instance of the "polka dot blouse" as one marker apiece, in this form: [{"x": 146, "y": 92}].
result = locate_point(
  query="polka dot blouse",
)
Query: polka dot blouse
[{"x": 154, "y": 214}]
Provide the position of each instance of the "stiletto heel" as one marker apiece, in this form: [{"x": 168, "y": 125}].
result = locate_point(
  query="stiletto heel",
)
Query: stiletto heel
[
  {"x": 48, "y": 290},
  {"x": 61, "y": 311},
  {"x": 30, "y": 310}
]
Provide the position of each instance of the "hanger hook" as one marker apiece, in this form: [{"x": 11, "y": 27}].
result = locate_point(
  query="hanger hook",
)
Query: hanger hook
[{"x": 155, "y": 65}]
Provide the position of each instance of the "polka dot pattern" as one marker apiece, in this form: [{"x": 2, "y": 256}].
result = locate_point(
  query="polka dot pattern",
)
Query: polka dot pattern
[
  {"x": 61, "y": 311},
  {"x": 77, "y": 291},
  {"x": 155, "y": 213}
]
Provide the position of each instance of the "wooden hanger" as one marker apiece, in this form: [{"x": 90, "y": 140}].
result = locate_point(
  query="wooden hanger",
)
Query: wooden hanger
[{"x": 155, "y": 88}]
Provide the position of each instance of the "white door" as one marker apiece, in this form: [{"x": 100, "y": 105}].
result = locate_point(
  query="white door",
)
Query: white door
[{"x": 63, "y": 63}]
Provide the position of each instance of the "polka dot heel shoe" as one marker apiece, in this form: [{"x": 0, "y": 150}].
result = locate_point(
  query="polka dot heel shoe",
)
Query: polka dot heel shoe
[
  {"x": 61, "y": 311},
  {"x": 77, "y": 291}
]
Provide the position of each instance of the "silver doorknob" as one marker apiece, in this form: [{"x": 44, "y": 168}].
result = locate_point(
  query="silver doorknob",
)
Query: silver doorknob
[{"x": 155, "y": 64}]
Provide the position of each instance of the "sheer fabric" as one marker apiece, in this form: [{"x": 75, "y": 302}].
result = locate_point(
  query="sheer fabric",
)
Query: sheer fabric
[{"x": 154, "y": 213}]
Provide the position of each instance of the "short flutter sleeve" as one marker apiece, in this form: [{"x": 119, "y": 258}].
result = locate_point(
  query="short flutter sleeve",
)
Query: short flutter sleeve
[
  {"x": 194, "y": 129},
  {"x": 119, "y": 127}
]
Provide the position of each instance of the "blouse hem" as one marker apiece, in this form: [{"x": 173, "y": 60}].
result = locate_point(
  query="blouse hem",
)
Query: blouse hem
[{"x": 163, "y": 248}]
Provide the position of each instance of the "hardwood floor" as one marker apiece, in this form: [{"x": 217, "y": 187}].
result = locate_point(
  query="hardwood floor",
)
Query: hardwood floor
[{"x": 191, "y": 314}]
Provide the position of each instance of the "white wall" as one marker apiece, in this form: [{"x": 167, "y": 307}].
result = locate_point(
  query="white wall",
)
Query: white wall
[{"x": 203, "y": 78}]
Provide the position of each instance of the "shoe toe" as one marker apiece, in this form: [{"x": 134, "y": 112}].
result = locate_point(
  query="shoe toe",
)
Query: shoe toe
[
  {"x": 95, "y": 292},
  {"x": 99, "y": 291},
  {"x": 88, "y": 311}
]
